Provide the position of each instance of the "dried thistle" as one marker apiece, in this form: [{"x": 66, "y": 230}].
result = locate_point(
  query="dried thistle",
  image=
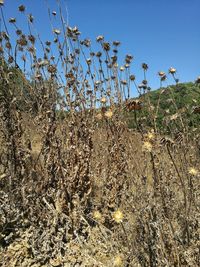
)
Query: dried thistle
[{"x": 21, "y": 8}]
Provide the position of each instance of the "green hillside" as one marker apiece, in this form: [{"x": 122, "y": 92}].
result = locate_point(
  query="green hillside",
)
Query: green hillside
[{"x": 167, "y": 106}]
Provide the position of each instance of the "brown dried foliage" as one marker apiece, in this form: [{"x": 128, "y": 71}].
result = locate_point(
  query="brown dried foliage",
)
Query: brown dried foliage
[{"x": 77, "y": 186}]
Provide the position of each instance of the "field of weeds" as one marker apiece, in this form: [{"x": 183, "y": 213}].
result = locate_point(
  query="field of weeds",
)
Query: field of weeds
[{"x": 78, "y": 187}]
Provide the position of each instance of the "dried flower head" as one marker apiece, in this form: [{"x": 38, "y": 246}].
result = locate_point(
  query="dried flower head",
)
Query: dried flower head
[
  {"x": 135, "y": 104},
  {"x": 100, "y": 38},
  {"x": 124, "y": 82},
  {"x": 52, "y": 69},
  {"x": 103, "y": 100},
  {"x": 106, "y": 46},
  {"x": 31, "y": 49},
  {"x": 97, "y": 215},
  {"x": 98, "y": 54},
  {"x": 161, "y": 73},
  {"x": 147, "y": 146},
  {"x": 172, "y": 70},
  {"x": 57, "y": 31},
  {"x": 8, "y": 45},
  {"x": 116, "y": 43},
  {"x": 18, "y": 32},
  {"x": 54, "y": 13},
  {"x": 10, "y": 59},
  {"x": 48, "y": 43},
  {"x": 31, "y": 38},
  {"x": 163, "y": 78},
  {"x": 193, "y": 171},
  {"x": 108, "y": 114},
  {"x": 145, "y": 66},
  {"x": 150, "y": 135},
  {"x": 89, "y": 61},
  {"x": 12, "y": 20},
  {"x": 99, "y": 116},
  {"x": 22, "y": 41},
  {"x": 196, "y": 110},
  {"x": 118, "y": 216},
  {"x": 5, "y": 36},
  {"x": 128, "y": 59},
  {"x": 30, "y": 18},
  {"x": 132, "y": 77},
  {"x": 21, "y": 8}
]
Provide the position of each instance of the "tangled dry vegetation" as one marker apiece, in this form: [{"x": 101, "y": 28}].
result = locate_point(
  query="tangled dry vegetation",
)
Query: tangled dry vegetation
[{"x": 77, "y": 186}]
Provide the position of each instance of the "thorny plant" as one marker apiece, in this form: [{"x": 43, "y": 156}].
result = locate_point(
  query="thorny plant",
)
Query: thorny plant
[{"x": 78, "y": 187}]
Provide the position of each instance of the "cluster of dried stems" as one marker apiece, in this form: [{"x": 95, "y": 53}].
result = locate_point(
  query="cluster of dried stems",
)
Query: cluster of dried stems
[{"x": 77, "y": 186}]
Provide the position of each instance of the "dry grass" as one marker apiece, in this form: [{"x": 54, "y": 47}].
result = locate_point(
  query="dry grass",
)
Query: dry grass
[{"x": 80, "y": 188}]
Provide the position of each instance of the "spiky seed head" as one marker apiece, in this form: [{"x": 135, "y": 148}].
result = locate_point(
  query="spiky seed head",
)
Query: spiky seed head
[
  {"x": 172, "y": 70},
  {"x": 118, "y": 216}
]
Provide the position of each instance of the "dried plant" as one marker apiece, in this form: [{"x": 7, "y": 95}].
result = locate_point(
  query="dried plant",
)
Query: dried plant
[{"x": 78, "y": 187}]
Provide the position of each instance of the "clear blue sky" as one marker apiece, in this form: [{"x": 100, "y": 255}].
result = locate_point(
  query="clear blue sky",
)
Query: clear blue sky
[{"x": 162, "y": 33}]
